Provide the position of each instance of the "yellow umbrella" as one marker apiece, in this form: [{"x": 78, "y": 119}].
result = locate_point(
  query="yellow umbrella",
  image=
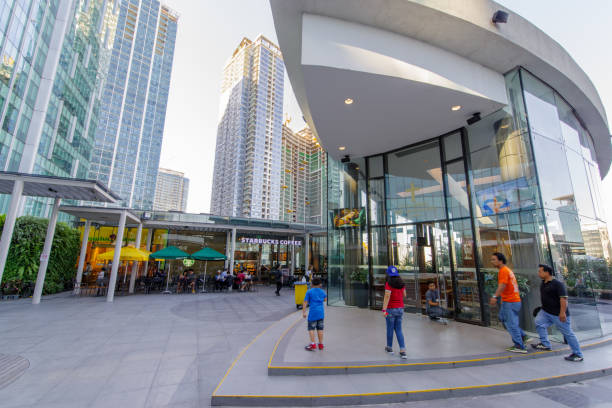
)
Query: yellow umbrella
[{"x": 127, "y": 254}]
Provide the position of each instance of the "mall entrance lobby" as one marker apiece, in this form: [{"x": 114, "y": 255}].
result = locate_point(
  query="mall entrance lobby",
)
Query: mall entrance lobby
[{"x": 439, "y": 209}]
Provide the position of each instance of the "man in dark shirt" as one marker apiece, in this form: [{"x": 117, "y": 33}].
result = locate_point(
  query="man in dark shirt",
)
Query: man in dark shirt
[
  {"x": 278, "y": 276},
  {"x": 554, "y": 311}
]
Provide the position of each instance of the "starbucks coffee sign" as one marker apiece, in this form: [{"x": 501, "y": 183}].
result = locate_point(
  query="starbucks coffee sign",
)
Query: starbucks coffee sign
[{"x": 246, "y": 240}]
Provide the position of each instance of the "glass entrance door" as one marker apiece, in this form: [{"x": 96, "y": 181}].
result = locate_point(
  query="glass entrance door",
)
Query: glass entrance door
[{"x": 420, "y": 252}]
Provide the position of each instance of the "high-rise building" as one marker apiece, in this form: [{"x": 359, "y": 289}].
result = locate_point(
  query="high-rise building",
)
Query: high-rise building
[
  {"x": 303, "y": 182},
  {"x": 171, "y": 191},
  {"x": 129, "y": 134},
  {"x": 247, "y": 172},
  {"x": 53, "y": 59}
]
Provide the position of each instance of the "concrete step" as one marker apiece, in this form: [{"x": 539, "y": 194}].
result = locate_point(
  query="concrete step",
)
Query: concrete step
[{"x": 247, "y": 384}]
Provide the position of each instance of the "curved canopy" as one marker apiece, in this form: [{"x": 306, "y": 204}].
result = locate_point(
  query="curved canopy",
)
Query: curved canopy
[
  {"x": 208, "y": 254},
  {"x": 170, "y": 252},
  {"x": 127, "y": 254}
]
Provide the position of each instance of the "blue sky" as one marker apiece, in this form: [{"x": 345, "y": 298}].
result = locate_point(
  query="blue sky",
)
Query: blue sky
[{"x": 210, "y": 30}]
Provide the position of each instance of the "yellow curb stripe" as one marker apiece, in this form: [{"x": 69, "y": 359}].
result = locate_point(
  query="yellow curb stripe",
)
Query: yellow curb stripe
[
  {"x": 244, "y": 351},
  {"x": 279, "y": 341},
  {"x": 467, "y": 387},
  {"x": 505, "y": 357}
]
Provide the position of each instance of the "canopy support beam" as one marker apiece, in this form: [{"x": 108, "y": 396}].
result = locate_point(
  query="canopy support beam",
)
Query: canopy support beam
[
  {"x": 135, "y": 266},
  {"x": 79, "y": 277},
  {"x": 46, "y": 252},
  {"x": 110, "y": 295}
]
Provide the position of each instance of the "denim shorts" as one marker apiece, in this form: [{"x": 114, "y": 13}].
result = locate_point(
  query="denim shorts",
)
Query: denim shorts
[{"x": 315, "y": 324}]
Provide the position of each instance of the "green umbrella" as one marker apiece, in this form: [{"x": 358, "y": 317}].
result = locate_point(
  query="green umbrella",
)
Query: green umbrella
[
  {"x": 170, "y": 252},
  {"x": 208, "y": 254}
]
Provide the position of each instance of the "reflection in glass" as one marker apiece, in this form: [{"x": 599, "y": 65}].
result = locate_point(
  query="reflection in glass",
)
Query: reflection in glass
[
  {"x": 452, "y": 146},
  {"x": 414, "y": 185},
  {"x": 464, "y": 263},
  {"x": 457, "y": 198},
  {"x": 555, "y": 182}
]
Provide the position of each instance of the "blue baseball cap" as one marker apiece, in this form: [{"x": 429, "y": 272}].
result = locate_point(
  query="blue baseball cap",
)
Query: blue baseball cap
[{"x": 392, "y": 271}]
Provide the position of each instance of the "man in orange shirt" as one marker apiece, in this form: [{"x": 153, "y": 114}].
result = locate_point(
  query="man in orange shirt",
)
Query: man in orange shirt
[{"x": 507, "y": 288}]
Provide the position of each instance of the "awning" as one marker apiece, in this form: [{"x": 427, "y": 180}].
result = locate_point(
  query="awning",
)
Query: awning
[{"x": 54, "y": 187}]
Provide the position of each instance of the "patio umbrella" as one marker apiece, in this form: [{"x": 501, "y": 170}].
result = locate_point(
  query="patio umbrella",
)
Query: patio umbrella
[
  {"x": 126, "y": 254},
  {"x": 208, "y": 254},
  {"x": 169, "y": 253}
]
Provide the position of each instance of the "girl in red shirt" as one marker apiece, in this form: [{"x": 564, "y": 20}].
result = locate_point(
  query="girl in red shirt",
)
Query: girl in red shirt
[{"x": 393, "y": 310}]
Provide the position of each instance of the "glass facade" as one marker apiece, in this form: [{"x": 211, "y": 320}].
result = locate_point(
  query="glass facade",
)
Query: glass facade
[
  {"x": 439, "y": 209},
  {"x": 60, "y": 135},
  {"x": 129, "y": 134}
]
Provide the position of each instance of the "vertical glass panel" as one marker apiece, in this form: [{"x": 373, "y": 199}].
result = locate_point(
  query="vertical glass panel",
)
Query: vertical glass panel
[
  {"x": 414, "y": 185},
  {"x": 452, "y": 146},
  {"x": 376, "y": 167},
  {"x": 521, "y": 237},
  {"x": 403, "y": 251},
  {"x": 380, "y": 262},
  {"x": 348, "y": 270},
  {"x": 464, "y": 263},
  {"x": 457, "y": 197},
  {"x": 592, "y": 171},
  {"x": 580, "y": 183},
  {"x": 571, "y": 265},
  {"x": 570, "y": 127},
  {"x": 555, "y": 181},
  {"x": 444, "y": 280},
  {"x": 542, "y": 108},
  {"x": 377, "y": 196},
  {"x": 602, "y": 277},
  {"x": 502, "y": 170}
]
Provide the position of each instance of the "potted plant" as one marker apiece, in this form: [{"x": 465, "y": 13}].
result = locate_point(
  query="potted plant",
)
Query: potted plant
[{"x": 359, "y": 287}]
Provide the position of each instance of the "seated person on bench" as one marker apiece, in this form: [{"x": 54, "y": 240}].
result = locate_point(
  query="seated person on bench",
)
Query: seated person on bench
[{"x": 432, "y": 305}]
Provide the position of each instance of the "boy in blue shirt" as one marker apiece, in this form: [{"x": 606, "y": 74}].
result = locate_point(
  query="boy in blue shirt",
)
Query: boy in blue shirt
[{"x": 315, "y": 298}]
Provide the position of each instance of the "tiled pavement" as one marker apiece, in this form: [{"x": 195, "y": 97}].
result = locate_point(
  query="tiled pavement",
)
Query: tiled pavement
[
  {"x": 153, "y": 350},
  {"x": 159, "y": 350}
]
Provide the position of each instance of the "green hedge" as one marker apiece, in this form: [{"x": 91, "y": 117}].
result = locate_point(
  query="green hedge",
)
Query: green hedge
[{"x": 26, "y": 247}]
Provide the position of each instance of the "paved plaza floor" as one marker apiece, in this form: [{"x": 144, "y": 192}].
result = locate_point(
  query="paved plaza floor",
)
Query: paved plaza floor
[
  {"x": 173, "y": 350},
  {"x": 143, "y": 350}
]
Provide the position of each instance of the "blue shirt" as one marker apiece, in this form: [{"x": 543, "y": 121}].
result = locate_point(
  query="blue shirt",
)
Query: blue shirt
[{"x": 315, "y": 298}]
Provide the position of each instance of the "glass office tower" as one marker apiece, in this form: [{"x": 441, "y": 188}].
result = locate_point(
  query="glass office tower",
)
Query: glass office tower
[
  {"x": 129, "y": 134},
  {"x": 522, "y": 181},
  {"x": 48, "y": 121}
]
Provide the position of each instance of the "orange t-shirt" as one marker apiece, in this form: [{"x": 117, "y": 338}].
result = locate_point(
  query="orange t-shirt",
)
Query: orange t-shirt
[{"x": 511, "y": 291}]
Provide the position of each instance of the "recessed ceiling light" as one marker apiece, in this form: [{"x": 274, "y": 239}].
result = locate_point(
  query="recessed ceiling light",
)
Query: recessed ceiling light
[
  {"x": 456, "y": 107},
  {"x": 341, "y": 148},
  {"x": 348, "y": 101}
]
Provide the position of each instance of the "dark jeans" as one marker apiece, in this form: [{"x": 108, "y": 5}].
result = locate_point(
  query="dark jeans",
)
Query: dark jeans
[{"x": 279, "y": 286}]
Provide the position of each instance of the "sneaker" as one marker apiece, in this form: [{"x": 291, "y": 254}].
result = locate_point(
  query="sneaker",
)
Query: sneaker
[
  {"x": 320, "y": 346},
  {"x": 389, "y": 350},
  {"x": 574, "y": 357},
  {"x": 403, "y": 355},
  {"x": 311, "y": 347},
  {"x": 540, "y": 347},
  {"x": 515, "y": 349},
  {"x": 526, "y": 338}
]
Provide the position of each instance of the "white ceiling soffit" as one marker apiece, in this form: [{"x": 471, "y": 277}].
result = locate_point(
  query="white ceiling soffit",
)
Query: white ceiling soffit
[
  {"x": 402, "y": 89},
  {"x": 463, "y": 28}
]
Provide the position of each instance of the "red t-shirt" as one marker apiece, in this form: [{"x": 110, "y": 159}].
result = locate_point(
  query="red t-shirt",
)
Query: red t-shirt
[{"x": 396, "y": 301}]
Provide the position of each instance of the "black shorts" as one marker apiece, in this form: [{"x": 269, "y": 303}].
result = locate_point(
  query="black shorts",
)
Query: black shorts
[{"x": 315, "y": 324}]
